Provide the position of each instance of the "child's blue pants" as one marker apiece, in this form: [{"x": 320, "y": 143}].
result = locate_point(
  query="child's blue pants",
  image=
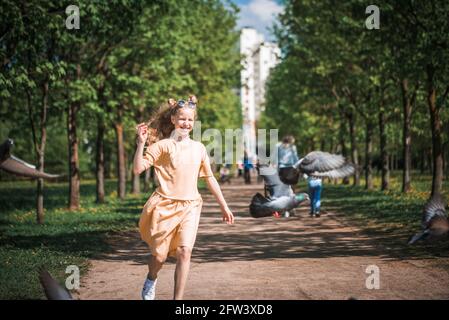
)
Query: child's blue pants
[{"x": 315, "y": 187}]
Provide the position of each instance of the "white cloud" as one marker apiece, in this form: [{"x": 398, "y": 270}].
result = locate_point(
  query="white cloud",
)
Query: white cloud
[
  {"x": 265, "y": 9},
  {"x": 259, "y": 14}
]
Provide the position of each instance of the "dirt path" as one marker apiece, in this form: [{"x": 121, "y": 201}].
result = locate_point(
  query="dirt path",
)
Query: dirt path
[{"x": 295, "y": 258}]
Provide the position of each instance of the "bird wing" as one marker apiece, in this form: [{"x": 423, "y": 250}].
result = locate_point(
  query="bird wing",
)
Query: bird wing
[
  {"x": 419, "y": 236},
  {"x": 280, "y": 204},
  {"x": 275, "y": 186},
  {"x": 325, "y": 164},
  {"x": 320, "y": 161},
  {"x": 258, "y": 208},
  {"x": 285, "y": 203},
  {"x": 434, "y": 208},
  {"x": 262, "y": 207},
  {"x": 19, "y": 167},
  {"x": 53, "y": 290},
  {"x": 344, "y": 171}
]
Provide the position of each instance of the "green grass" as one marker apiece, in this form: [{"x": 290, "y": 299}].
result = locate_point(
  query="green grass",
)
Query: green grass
[{"x": 66, "y": 238}]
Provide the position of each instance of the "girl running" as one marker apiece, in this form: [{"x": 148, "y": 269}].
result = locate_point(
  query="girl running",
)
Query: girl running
[{"x": 170, "y": 218}]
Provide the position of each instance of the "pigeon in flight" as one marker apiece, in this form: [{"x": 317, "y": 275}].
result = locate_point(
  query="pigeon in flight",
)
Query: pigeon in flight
[
  {"x": 52, "y": 289},
  {"x": 325, "y": 164},
  {"x": 281, "y": 198},
  {"x": 435, "y": 223},
  {"x": 14, "y": 165}
]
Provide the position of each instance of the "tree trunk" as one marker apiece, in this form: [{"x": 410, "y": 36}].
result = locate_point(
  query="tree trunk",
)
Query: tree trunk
[
  {"x": 39, "y": 193},
  {"x": 344, "y": 150},
  {"x": 354, "y": 154},
  {"x": 435, "y": 124},
  {"x": 406, "y": 136},
  {"x": 369, "y": 156},
  {"x": 429, "y": 160},
  {"x": 446, "y": 160},
  {"x": 121, "y": 166},
  {"x": 41, "y": 154},
  {"x": 100, "y": 160},
  {"x": 74, "y": 174},
  {"x": 39, "y": 146},
  {"x": 447, "y": 157},
  {"x": 100, "y": 168},
  {"x": 443, "y": 153},
  {"x": 108, "y": 161},
  {"x": 383, "y": 151},
  {"x": 40, "y": 196},
  {"x": 343, "y": 130}
]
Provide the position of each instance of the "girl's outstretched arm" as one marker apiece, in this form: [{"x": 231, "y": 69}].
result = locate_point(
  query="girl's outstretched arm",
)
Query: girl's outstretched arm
[{"x": 214, "y": 187}]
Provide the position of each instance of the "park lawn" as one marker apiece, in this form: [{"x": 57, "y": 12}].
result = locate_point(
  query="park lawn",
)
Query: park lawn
[{"x": 66, "y": 238}]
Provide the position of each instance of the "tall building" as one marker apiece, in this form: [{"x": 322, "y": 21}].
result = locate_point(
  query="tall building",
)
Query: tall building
[{"x": 259, "y": 57}]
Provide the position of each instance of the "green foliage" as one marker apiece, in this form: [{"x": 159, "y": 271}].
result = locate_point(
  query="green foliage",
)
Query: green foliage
[
  {"x": 127, "y": 55},
  {"x": 334, "y": 66}
]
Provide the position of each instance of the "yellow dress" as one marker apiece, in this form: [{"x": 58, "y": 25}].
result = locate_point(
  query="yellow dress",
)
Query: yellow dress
[{"x": 171, "y": 215}]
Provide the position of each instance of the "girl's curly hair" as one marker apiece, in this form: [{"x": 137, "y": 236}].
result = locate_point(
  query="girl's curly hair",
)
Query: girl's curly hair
[{"x": 160, "y": 125}]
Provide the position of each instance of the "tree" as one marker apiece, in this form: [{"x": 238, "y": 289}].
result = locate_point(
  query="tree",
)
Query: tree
[
  {"x": 428, "y": 43},
  {"x": 31, "y": 67}
]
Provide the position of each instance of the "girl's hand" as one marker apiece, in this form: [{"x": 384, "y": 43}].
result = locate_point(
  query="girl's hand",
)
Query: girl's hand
[
  {"x": 228, "y": 216},
  {"x": 142, "y": 133}
]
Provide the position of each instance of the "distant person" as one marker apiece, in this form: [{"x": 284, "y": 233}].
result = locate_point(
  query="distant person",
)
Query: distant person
[
  {"x": 287, "y": 154},
  {"x": 247, "y": 166},
  {"x": 225, "y": 174},
  {"x": 315, "y": 185},
  {"x": 239, "y": 168}
]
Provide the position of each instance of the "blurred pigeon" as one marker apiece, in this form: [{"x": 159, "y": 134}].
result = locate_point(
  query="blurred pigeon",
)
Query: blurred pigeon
[
  {"x": 14, "y": 165},
  {"x": 325, "y": 164},
  {"x": 275, "y": 187},
  {"x": 53, "y": 290},
  {"x": 282, "y": 198},
  {"x": 263, "y": 207},
  {"x": 435, "y": 223}
]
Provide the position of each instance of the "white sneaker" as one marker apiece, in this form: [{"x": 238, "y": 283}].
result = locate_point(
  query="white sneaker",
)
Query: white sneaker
[{"x": 149, "y": 289}]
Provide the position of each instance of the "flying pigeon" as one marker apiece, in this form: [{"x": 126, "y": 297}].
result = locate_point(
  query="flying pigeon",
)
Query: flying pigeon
[
  {"x": 52, "y": 289},
  {"x": 317, "y": 164},
  {"x": 435, "y": 223},
  {"x": 14, "y": 165},
  {"x": 263, "y": 207},
  {"x": 325, "y": 164},
  {"x": 281, "y": 198}
]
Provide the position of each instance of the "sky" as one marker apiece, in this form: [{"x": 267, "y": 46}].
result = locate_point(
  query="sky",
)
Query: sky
[{"x": 259, "y": 14}]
